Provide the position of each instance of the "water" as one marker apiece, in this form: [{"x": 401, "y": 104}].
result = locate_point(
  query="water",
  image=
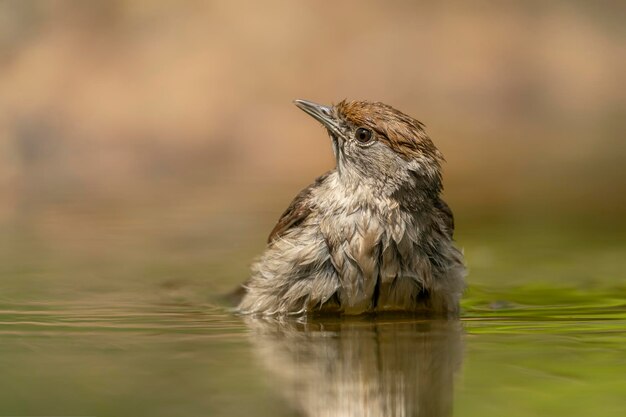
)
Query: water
[{"x": 128, "y": 323}]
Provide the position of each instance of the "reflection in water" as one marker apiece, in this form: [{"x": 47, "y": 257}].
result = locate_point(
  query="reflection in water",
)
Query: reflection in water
[{"x": 362, "y": 368}]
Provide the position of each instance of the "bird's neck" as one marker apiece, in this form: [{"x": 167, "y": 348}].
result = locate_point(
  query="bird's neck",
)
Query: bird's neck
[
  {"x": 414, "y": 187},
  {"x": 354, "y": 193}
]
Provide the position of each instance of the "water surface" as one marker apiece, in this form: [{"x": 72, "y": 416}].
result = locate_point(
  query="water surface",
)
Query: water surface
[{"x": 109, "y": 327}]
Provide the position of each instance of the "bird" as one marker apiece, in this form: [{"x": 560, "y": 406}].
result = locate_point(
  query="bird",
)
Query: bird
[{"x": 372, "y": 235}]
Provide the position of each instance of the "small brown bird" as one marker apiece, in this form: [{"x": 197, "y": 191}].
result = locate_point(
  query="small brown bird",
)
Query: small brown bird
[{"x": 371, "y": 235}]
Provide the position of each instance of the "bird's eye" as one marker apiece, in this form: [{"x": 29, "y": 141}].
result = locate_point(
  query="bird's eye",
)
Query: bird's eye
[{"x": 363, "y": 135}]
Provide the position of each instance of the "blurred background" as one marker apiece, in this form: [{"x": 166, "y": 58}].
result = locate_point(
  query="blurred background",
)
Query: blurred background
[
  {"x": 157, "y": 139},
  {"x": 147, "y": 147}
]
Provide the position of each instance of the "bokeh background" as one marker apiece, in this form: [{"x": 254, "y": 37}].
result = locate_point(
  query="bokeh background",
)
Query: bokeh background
[
  {"x": 147, "y": 147},
  {"x": 154, "y": 142}
]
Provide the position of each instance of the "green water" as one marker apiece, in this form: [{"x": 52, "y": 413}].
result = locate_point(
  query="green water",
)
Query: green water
[{"x": 128, "y": 322}]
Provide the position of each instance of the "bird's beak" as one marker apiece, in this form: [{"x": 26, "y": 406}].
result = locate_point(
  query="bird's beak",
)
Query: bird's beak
[{"x": 321, "y": 113}]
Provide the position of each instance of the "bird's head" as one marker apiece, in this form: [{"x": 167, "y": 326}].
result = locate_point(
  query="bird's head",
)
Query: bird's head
[{"x": 377, "y": 145}]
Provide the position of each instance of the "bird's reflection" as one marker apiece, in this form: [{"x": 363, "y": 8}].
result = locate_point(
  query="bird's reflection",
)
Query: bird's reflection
[{"x": 374, "y": 367}]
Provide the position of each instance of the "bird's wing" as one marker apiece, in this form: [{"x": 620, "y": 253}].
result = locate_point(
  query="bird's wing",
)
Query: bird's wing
[
  {"x": 446, "y": 215},
  {"x": 298, "y": 210}
]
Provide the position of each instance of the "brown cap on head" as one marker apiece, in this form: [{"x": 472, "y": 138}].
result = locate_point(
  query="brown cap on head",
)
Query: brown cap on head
[{"x": 400, "y": 132}]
